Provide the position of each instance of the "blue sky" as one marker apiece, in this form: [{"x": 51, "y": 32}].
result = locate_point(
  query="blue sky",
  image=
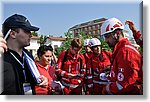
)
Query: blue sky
[{"x": 55, "y": 18}]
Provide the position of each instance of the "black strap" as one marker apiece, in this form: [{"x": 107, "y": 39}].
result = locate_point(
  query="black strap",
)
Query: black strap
[
  {"x": 92, "y": 72},
  {"x": 64, "y": 59}
]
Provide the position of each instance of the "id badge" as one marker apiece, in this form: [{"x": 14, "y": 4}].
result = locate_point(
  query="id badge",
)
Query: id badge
[{"x": 27, "y": 88}]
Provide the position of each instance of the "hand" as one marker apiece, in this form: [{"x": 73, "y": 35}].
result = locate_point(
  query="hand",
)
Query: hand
[
  {"x": 3, "y": 46},
  {"x": 131, "y": 25},
  {"x": 44, "y": 80}
]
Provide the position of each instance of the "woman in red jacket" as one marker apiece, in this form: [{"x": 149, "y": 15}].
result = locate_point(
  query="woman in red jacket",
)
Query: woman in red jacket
[{"x": 45, "y": 56}]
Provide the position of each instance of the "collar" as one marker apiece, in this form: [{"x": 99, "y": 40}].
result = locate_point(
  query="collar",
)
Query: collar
[
  {"x": 39, "y": 65},
  {"x": 120, "y": 45},
  {"x": 73, "y": 56}
]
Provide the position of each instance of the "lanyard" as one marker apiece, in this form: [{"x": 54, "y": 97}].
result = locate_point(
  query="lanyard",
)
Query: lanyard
[{"x": 22, "y": 64}]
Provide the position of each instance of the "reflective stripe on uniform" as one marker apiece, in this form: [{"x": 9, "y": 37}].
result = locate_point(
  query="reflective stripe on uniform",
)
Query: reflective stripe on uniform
[
  {"x": 119, "y": 86},
  {"x": 90, "y": 85},
  {"x": 99, "y": 82},
  {"x": 108, "y": 90},
  {"x": 89, "y": 77},
  {"x": 129, "y": 46},
  {"x": 82, "y": 75},
  {"x": 69, "y": 85},
  {"x": 83, "y": 70}
]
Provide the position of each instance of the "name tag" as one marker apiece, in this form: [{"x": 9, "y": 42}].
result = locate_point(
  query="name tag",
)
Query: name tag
[{"x": 27, "y": 88}]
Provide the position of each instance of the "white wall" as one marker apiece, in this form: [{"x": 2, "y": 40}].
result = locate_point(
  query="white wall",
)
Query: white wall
[
  {"x": 53, "y": 43},
  {"x": 33, "y": 46}
]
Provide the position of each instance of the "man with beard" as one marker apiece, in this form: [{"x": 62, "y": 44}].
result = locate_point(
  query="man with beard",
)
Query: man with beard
[{"x": 126, "y": 71}]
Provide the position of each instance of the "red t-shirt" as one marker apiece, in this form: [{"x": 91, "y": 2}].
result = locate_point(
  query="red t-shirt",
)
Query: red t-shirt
[{"x": 50, "y": 74}]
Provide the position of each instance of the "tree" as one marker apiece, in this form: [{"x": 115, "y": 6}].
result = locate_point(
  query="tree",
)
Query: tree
[
  {"x": 42, "y": 40},
  {"x": 82, "y": 35},
  {"x": 34, "y": 33},
  {"x": 65, "y": 45},
  {"x": 105, "y": 46}
]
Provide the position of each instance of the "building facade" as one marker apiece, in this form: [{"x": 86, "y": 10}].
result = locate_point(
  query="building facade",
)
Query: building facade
[
  {"x": 54, "y": 41},
  {"x": 35, "y": 43},
  {"x": 89, "y": 28}
]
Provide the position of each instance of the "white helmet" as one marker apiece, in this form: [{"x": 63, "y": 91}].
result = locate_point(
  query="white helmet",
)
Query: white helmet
[
  {"x": 94, "y": 42},
  {"x": 86, "y": 42},
  {"x": 110, "y": 25}
]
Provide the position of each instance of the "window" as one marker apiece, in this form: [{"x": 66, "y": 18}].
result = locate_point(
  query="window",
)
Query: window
[
  {"x": 93, "y": 26},
  {"x": 93, "y": 32},
  {"x": 90, "y": 33},
  {"x": 85, "y": 28},
  {"x": 89, "y": 27}
]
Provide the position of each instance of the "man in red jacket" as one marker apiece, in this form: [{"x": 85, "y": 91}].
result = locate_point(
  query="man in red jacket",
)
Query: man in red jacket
[
  {"x": 70, "y": 68},
  {"x": 99, "y": 62},
  {"x": 126, "y": 72}
]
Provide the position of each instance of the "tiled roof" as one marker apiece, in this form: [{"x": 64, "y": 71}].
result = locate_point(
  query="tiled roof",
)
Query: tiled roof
[
  {"x": 35, "y": 37},
  {"x": 56, "y": 38},
  {"x": 50, "y": 37}
]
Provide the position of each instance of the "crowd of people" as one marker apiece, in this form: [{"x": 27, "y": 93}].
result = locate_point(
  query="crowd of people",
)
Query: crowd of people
[{"x": 95, "y": 72}]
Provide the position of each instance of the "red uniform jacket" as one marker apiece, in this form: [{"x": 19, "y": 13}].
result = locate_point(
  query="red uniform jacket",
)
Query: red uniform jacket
[
  {"x": 126, "y": 70},
  {"x": 88, "y": 78},
  {"x": 71, "y": 65},
  {"x": 99, "y": 63},
  {"x": 49, "y": 74},
  {"x": 138, "y": 38}
]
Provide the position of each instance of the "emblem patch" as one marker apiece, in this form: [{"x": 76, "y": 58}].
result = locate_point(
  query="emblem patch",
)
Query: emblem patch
[{"x": 120, "y": 77}]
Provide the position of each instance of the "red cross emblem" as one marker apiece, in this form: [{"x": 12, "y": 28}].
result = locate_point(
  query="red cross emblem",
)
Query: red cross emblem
[{"x": 120, "y": 77}]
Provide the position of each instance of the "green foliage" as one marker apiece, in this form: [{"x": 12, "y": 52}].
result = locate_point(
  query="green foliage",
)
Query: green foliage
[
  {"x": 105, "y": 46},
  {"x": 65, "y": 45},
  {"x": 140, "y": 50},
  {"x": 34, "y": 33},
  {"x": 69, "y": 36},
  {"x": 42, "y": 40}
]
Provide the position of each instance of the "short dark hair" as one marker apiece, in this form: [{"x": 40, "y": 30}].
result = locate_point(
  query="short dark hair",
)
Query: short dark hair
[
  {"x": 42, "y": 49},
  {"x": 76, "y": 42}
]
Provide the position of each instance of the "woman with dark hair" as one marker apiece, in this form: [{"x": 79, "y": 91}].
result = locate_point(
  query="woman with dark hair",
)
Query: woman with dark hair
[{"x": 45, "y": 54}]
